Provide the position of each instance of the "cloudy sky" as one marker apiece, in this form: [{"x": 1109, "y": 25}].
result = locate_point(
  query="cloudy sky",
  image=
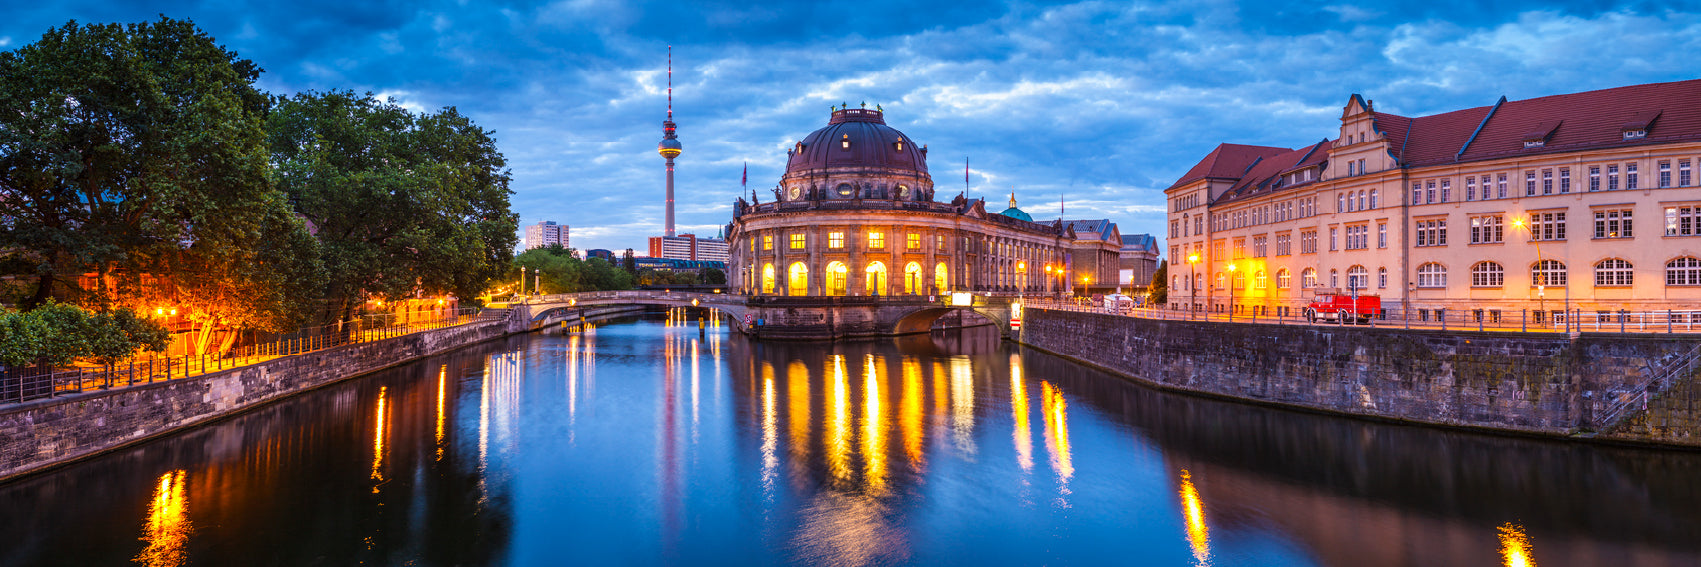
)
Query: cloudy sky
[{"x": 1099, "y": 104}]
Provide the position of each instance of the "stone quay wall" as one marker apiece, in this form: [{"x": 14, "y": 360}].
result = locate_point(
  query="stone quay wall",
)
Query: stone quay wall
[
  {"x": 44, "y": 433},
  {"x": 1539, "y": 383}
]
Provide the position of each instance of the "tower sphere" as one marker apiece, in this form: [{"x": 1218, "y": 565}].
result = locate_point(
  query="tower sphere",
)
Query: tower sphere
[{"x": 669, "y": 148}]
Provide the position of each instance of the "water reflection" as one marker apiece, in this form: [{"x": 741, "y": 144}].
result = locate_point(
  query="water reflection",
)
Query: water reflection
[
  {"x": 167, "y": 530},
  {"x": 1019, "y": 416},
  {"x": 378, "y": 438},
  {"x": 873, "y": 427},
  {"x": 1515, "y": 546},
  {"x": 1193, "y": 513},
  {"x": 1057, "y": 434}
]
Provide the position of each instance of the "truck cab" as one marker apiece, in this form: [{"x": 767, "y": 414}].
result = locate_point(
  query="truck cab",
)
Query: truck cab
[{"x": 1343, "y": 308}]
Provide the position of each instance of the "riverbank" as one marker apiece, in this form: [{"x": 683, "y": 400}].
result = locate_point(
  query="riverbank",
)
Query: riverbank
[
  {"x": 42, "y": 434},
  {"x": 1619, "y": 387}
]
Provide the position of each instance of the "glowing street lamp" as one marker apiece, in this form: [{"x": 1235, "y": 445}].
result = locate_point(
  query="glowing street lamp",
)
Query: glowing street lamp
[
  {"x": 1192, "y": 284},
  {"x": 1231, "y": 291}
]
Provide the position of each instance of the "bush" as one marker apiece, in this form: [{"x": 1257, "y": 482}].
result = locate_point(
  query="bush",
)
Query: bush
[{"x": 55, "y": 334}]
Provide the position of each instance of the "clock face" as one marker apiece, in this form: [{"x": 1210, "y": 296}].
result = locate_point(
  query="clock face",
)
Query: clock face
[
  {"x": 845, "y": 190},
  {"x": 903, "y": 191},
  {"x": 795, "y": 192}
]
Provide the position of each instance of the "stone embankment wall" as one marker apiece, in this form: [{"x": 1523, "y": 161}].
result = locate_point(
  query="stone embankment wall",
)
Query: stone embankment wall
[
  {"x": 1534, "y": 383},
  {"x": 43, "y": 433}
]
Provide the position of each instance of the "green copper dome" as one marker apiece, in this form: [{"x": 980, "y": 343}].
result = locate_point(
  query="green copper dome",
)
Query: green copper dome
[{"x": 1014, "y": 212}]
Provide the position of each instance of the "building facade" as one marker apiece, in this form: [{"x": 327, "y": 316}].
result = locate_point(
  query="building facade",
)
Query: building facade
[
  {"x": 688, "y": 247},
  {"x": 546, "y": 233},
  {"x": 855, "y": 215},
  {"x": 1139, "y": 259},
  {"x": 1096, "y": 246},
  {"x": 1584, "y": 201}
]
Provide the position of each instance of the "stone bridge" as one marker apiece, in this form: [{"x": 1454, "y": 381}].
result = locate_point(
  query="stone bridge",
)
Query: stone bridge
[{"x": 781, "y": 317}]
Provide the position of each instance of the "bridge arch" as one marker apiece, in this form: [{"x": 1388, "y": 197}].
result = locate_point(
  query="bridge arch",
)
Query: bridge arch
[{"x": 921, "y": 320}]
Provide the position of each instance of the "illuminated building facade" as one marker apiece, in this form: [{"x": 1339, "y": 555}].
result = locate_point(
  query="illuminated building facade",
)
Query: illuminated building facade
[
  {"x": 1588, "y": 200},
  {"x": 855, "y": 215}
]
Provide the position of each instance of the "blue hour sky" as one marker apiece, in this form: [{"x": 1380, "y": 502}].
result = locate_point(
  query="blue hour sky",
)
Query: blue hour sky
[{"x": 1100, "y": 104}]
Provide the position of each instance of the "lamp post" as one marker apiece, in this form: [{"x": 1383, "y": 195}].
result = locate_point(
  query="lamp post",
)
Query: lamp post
[
  {"x": 522, "y": 280},
  {"x": 1231, "y": 291},
  {"x": 1192, "y": 282},
  {"x": 1541, "y": 269}
]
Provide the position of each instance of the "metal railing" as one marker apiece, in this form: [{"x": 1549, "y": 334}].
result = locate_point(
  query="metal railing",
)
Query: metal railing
[
  {"x": 1622, "y": 398},
  {"x": 1417, "y": 317},
  {"x": 23, "y": 384}
]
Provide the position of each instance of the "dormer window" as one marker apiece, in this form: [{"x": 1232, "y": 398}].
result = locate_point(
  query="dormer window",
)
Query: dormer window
[
  {"x": 899, "y": 144},
  {"x": 1637, "y": 127},
  {"x": 1534, "y": 143},
  {"x": 1634, "y": 134},
  {"x": 1538, "y": 137},
  {"x": 844, "y": 143}
]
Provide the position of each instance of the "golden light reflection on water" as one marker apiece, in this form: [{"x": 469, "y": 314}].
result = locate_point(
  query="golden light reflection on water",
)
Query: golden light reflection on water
[
  {"x": 442, "y": 386},
  {"x": 1515, "y": 546},
  {"x": 1019, "y": 412},
  {"x": 1057, "y": 432},
  {"x": 378, "y": 436},
  {"x": 167, "y": 529},
  {"x": 911, "y": 413},
  {"x": 963, "y": 405},
  {"x": 694, "y": 390},
  {"x": 770, "y": 432},
  {"x": 873, "y": 427},
  {"x": 797, "y": 394},
  {"x": 1193, "y": 512},
  {"x": 838, "y": 421}
]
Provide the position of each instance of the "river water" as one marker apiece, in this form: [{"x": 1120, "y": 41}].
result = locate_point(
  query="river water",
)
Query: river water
[{"x": 641, "y": 443}]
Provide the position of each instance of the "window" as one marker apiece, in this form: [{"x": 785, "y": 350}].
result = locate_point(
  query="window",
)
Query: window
[
  {"x": 1431, "y": 232},
  {"x": 1564, "y": 180},
  {"x": 1683, "y": 271},
  {"x": 1630, "y": 175},
  {"x": 912, "y": 242},
  {"x": 1240, "y": 280},
  {"x": 1372, "y": 198},
  {"x": 1547, "y": 226},
  {"x": 838, "y": 276},
  {"x": 1217, "y": 249},
  {"x": 1258, "y": 280},
  {"x": 1361, "y": 199},
  {"x": 939, "y": 244},
  {"x": 1470, "y": 188},
  {"x": 1665, "y": 174},
  {"x": 1340, "y": 202},
  {"x": 1683, "y": 220},
  {"x": 767, "y": 242},
  {"x": 835, "y": 241},
  {"x": 1612, "y": 177},
  {"x": 1530, "y": 183},
  {"x": 1431, "y": 275},
  {"x": 1239, "y": 248},
  {"x": 1350, "y": 166},
  {"x": 767, "y": 278},
  {"x": 1487, "y": 230},
  {"x": 1381, "y": 235},
  {"x": 1446, "y": 190},
  {"x": 1488, "y": 274},
  {"x": 797, "y": 241},
  {"x": 1612, "y": 223},
  {"x": 1548, "y": 273},
  {"x": 1221, "y": 281},
  {"x": 1613, "y": 272},
  {"x": 1332, "y": 232},
  {"x": 1284, "y": 244},
  {"x": 1308, "y": 278},
  {"x": 1594, "y": 178},
  {"x": 876, "y": 240},
  {"x": 1500, "y": 187},
  {"x": 1382, "y": 278},
  {"x": 1429, "y": 192},
  {"x": 1284, "y": 279},
  {"x": 1683, "y": 173},
  {"x": 1308, "y": 242},
  {"x": 1358, "y": 237},
  {"x": 1334, "y": 278},
  {"x": 1547, "y": 182},
  {"x": 1417, "y": 192},
  {"x": 1358, "y": 278},
  {"x": 1260, "y": 246}
]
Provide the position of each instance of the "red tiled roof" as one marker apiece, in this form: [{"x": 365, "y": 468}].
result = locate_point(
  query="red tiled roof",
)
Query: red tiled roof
[
  {"x": 1260, "y": 180},
  {"x": 1228, "y": 161},
  {"x": 1586, "y": 120}
]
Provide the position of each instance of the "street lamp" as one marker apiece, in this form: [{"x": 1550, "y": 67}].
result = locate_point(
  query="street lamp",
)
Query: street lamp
[
  {"x": 1541, "y": 270},
  {"x": 1192, "y": 283},
  {"x": 1231, "y": 291}
]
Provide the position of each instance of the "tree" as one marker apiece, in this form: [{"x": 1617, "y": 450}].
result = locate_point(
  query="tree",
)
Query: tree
[
  {"x": 403, "y": 203},
  {"x": 562, "y": 272},
  {"x": 138, "y": 153},
  {"x": 713, "y": 276},
  {"x": 1159, "y": 290},
  {"x": 55, "y": 334}
]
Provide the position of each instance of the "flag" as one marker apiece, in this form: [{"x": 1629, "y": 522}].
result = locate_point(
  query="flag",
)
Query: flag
[
  {"x": 745, "y": 182},
  {"x": 965, "y": 174}
]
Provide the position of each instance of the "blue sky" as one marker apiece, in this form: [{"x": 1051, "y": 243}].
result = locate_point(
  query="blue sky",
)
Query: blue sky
[{"x": 1103, "y": 104}]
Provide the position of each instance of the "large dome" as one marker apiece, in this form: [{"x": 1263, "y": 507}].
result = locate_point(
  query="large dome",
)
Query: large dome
[{"x": 857, "y": 138}]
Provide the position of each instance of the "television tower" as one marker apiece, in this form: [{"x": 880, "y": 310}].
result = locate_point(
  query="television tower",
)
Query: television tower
[{"x": 669, "y": 146}]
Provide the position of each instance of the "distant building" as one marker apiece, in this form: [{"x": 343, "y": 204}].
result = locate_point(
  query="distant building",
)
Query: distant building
[
  {"x": 1139, "y": 260},
  {"x": 603, "y": 253},
  {"x": 675, "y": 264},
  {"x": 1096, "y": 247},
  {"x": 546, "y": 233},
  {"x": 688, "y": 247}
]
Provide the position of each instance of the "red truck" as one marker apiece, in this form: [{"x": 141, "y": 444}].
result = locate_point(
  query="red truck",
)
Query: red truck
[{"x": 1342, "y": 308}]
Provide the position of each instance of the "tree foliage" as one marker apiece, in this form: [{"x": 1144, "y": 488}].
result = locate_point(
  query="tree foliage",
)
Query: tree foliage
[
  {"x": 138, "y": 153},
  {"x": 54, "y": 334},
  {"x": 1159, "y": 289},
  {"x": 401, "y": 202},
  {"x": 563, "y": 272}
]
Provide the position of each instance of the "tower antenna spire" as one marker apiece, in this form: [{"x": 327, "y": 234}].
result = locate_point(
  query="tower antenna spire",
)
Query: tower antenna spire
[
  {"x": 669, "y": 83},
  {"x": 669, "y": 147}
]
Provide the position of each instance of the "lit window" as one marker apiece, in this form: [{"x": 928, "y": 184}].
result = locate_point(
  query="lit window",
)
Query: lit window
[
  {"x": 797, "y": 241},
  {"x": 836, "y": 240},
  {"x": 912, "y": 242},
  {"x": 1613, "y": 224},
  {"x": 767, "y": 242},
  {"x": 844, "y": 143},
  {"x": 876, "y": 240}
]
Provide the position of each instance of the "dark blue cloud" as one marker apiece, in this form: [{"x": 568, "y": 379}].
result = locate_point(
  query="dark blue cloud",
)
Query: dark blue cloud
[{"x": 1104, "y": 103}]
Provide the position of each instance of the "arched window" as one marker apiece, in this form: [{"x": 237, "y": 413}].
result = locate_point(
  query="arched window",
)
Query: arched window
[
  {"x": 913, "y": 281},
  {"x": 1198, "y": 281},
  {"x": 1340, "y": 202},
  {"x": 1361, "y": 200},
  {"x": 797, "y": 279},
  {"x": 1221, "y": 282},
  {"x": 1613, "y": 272},
  {"x": 837, "y": 278},
  {"x": 875, "y": 279},
  {"x": 941, "y": 279},
  {"x": 1683, "y": 271},
  {"x": 1488, "y": 274},
  {"x": 767, "y": 278},
  {"x": 1548, "y": 273},
  {"x": 1259, "y": 280},
  {"x": 1372, "y": 198},
  {"x": 1175, "y": 282},
  {"x": 1382, "y": 278},
  {"x": 1308, "y": 278},
  {"x": 1358, "y": 278},
  {"x": 1432, "y": 275},
  {"x": 1284, "y": 280}
]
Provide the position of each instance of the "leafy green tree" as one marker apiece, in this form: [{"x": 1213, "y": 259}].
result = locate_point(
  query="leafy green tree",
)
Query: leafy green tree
[
  {"x": 55, "y": 334},
  {"x": 401, "y": 202},
  {"x": 564, "y": 273},
  {"x": 118, "y": 334},
  {"x": 713, "y": 276},
  {"x": 138, "y": 153},
  {"x": 1159, "y": 289}
]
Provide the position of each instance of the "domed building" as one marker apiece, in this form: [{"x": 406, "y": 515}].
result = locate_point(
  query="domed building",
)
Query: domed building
[{"x": 855, "y": 215}]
